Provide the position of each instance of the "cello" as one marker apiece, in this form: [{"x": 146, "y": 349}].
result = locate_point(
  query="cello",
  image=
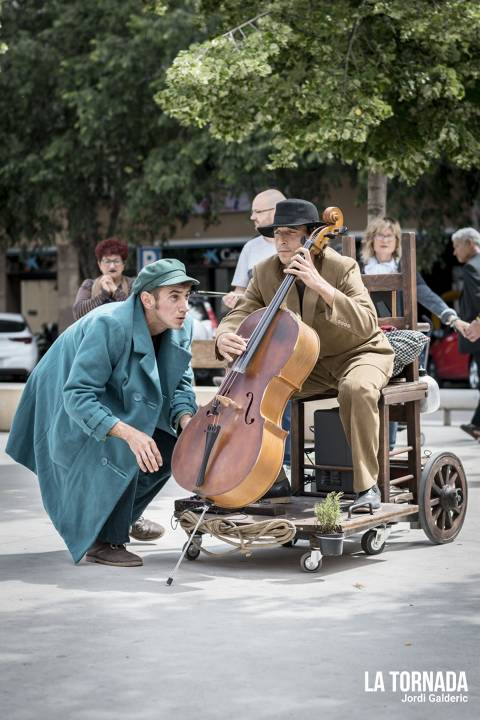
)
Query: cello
[{"x": 231, "y": 451}]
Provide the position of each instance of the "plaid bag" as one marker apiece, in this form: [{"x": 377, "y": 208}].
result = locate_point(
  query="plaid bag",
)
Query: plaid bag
[{"x": 407, "y": 345}]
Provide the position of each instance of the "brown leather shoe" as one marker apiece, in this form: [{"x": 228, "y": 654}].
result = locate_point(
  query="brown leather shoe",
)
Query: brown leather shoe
[
  {"x": 109, "y": 554},
  {"x": 143, "y": 529}
]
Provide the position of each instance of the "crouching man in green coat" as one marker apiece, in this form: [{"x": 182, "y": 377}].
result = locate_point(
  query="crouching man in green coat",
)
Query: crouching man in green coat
[{"x": 99, "y": 416}]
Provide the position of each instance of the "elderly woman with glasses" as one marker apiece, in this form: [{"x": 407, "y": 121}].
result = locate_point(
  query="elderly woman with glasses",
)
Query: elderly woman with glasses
[
  {"x": 381, "y": 254},
  {"x": 112, "y": 285}
]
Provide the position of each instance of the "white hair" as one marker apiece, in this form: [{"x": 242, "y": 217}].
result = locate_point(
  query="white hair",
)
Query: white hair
[{"x": 465, "y": 234}]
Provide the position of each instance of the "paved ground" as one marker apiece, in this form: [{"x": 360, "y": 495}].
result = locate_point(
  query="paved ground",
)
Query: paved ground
[{"x": 233, "y": 638}]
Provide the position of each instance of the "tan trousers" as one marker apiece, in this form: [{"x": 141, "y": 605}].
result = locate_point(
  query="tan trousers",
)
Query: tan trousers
[{"x": 359, "y": 387}]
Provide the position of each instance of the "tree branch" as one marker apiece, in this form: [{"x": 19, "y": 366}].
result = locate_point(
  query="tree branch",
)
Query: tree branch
[{"x": 350, "y": 43}]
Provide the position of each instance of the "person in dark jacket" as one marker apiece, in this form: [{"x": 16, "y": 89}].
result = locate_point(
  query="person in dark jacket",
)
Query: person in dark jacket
[{"x": 466, "y": 248}]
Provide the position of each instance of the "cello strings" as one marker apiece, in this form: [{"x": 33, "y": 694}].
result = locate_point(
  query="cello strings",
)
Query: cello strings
[
  {"x": 258, "y": 332},
  {"x": 272, "y": 308},
  {"x": 256, "y": 336},
  {"x": 262, "y": 327}
]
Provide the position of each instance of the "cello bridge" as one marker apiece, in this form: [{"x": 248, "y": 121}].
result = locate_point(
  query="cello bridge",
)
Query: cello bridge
[{"x": 228, "y": 402}]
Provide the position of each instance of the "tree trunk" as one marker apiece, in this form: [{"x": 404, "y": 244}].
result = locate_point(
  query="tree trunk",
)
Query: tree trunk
[
  {"x": 3, "y": 279},
  {"x": 377, "y": 195},
  {"x": 475, "y": 214},
  {"x": 68, "y": 279}
]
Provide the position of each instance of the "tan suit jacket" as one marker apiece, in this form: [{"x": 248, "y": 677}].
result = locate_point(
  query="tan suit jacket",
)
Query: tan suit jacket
[{"x": 348, "y": 331}]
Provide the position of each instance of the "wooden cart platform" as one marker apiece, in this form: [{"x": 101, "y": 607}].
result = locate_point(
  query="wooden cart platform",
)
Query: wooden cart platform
[
  {"x": 300, "y": 512},
  {"x": 374, "y": 527}
]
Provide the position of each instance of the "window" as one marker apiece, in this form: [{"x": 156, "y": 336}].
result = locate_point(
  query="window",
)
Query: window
[{"x": 12, "y": 326}]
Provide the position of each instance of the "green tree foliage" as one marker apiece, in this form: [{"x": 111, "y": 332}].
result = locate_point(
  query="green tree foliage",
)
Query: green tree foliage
[
  {"x": 446, "y": 198},
  {"x": 386, "y": 85},
  {"x": 81, "y": 136}
]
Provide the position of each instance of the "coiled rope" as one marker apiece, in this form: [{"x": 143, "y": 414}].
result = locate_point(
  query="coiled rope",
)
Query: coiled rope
[{"x": 267, "y": 533}]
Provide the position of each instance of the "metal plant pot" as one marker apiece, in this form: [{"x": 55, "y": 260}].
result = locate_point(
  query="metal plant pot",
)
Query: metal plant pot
[{"x": 331, "y": 544}]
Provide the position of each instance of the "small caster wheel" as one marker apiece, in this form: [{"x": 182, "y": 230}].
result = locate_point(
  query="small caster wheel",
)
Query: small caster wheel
[
  {"x": 308, "y": 564},
  {"x": 193, "y": 551},
  {"x": 370, "y": 544}
]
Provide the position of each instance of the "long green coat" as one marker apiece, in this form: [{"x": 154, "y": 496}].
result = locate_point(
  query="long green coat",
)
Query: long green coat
[{"x": 101, "y": 370}]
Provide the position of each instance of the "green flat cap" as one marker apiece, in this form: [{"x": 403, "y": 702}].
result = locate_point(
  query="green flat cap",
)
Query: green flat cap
[{"x": 166, "y": 271}]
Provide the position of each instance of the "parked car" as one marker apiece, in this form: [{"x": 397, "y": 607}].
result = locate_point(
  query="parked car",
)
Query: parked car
[
  {"x": 18, "y": 347},
  {"x": 446, "y": 363}
]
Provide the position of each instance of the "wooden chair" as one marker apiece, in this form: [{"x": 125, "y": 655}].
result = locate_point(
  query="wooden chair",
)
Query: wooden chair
[
  {"x": 400, "y": 399},
  {"x": 203, "y": 358}
]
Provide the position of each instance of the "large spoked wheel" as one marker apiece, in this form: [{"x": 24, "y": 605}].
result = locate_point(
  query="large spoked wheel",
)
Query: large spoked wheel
[{"x": 442, "y": 498}]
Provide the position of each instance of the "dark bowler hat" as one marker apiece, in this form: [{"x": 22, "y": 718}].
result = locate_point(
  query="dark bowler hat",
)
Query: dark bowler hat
[
  {"x": 291, "y": 213},
  {"x": 168, "y": 271}
]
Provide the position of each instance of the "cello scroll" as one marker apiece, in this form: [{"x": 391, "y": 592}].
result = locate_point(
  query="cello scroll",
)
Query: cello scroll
[{"x": 333, "y": 217}]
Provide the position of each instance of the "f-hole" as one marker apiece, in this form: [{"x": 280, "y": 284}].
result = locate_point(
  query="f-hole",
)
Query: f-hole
[{"x": 247, "y": 420}]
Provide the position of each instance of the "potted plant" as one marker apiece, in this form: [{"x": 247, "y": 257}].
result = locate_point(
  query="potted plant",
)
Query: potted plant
[{"x": 329, "y": 518}]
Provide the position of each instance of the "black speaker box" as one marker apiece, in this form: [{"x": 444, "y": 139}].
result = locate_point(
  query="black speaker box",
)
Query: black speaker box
[{"x": 331, "y": 448}]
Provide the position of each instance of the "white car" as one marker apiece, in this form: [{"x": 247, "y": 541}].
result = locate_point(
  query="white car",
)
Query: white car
[{"x": 18, "y": 347}]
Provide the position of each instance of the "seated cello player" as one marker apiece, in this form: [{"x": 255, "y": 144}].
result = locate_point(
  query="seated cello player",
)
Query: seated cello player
[{"x": 355, "y": 357}]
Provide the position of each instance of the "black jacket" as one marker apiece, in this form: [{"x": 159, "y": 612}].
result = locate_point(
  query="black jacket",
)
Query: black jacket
[{"x": 470, "y": 301}]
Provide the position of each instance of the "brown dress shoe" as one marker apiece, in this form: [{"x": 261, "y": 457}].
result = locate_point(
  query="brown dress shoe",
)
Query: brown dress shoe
[
  {"x": 109, "y": 554},
  {"x": 143, "y": 529}
]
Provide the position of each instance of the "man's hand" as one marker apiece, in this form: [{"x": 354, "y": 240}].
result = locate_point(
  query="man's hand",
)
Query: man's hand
[
  {"x": 107, "y": 283},
  {"x": 231, "y": 298},
  {"x": 142, "y": 446},
  {"x": 461, "y": 326},
  {"x": 472, "y": 331},
  {"x": 229, "y": 345},
  {"x": 184, "y": 420},
  {"x": 302, "y": 267}
]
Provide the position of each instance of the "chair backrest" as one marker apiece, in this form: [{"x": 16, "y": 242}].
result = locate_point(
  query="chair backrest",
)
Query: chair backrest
[
  {"x": 203, "y": 355},
  {"x": 404, "y": 281}
]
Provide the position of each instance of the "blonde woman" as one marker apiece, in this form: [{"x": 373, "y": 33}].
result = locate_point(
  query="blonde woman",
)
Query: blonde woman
[
  {"x": 381, "y": 254},
  {"x": 381, "y": 247}
]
